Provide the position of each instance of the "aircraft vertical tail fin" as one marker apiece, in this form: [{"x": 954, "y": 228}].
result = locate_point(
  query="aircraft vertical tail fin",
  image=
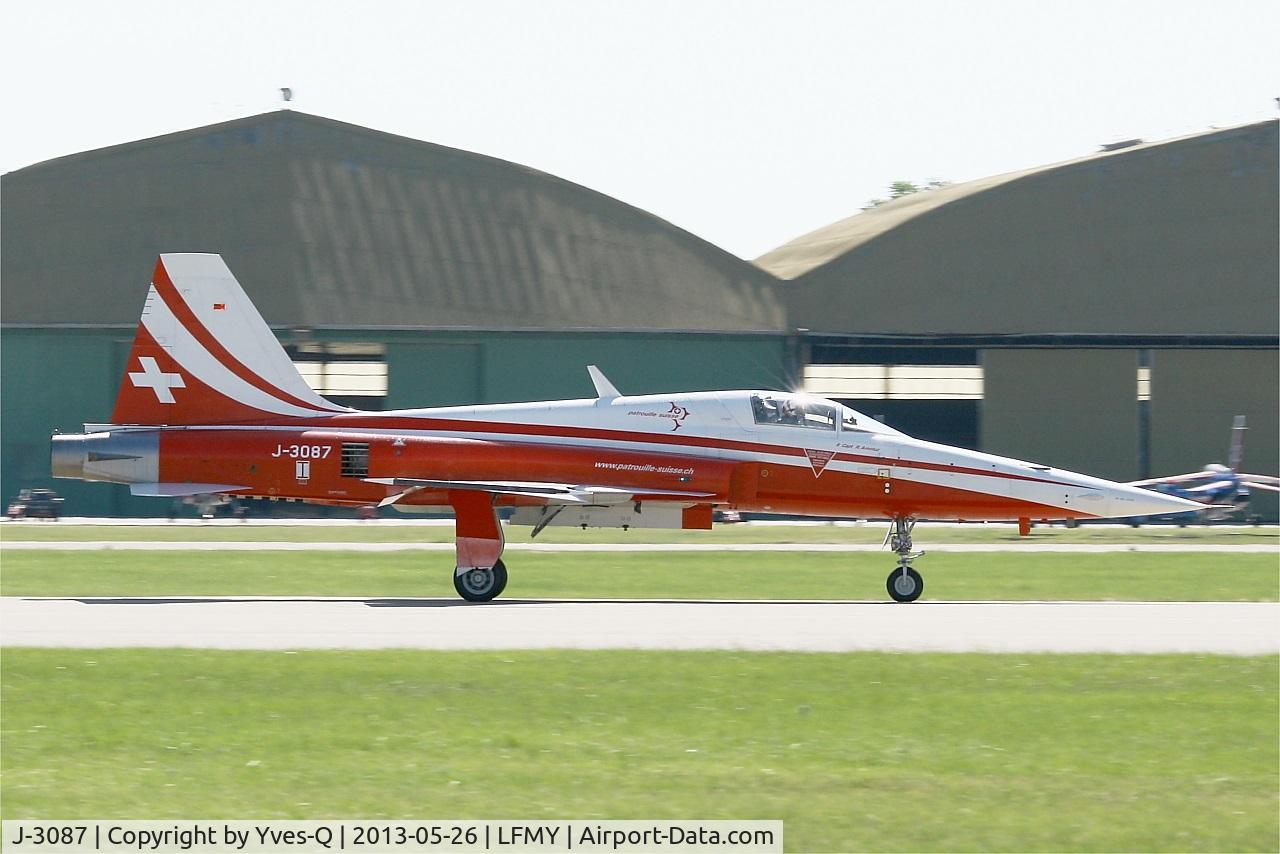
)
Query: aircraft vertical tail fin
[
  {"x": 204, "y": 355},
  {"x": 1235, "y": 459}
]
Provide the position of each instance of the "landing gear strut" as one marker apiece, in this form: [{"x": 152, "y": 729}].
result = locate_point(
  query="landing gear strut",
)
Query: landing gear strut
[
  {"x": 479, "y": 574},
  {"x": 904, "y": 583}
]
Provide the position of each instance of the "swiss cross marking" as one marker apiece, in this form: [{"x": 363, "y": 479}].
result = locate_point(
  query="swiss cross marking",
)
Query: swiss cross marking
[
  {"x": 157, "y": 380},
  {"x": 818, "y": 460}
]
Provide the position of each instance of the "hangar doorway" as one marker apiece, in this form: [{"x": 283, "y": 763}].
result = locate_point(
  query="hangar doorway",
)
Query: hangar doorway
[{"x": 931, "y": 393}]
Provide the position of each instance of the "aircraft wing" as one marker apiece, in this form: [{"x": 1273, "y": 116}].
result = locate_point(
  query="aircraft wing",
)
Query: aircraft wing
[
  {"x": 552, "y": 493},
  {"x": 1211, "y": 488},
  {"x": 1173, "y": 478},
  {"x": 181, "y": 490}
]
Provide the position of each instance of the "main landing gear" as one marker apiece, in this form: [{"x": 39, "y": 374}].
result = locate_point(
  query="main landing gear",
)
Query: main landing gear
[
  {"x": 904, "y": 583},
  {"x": 480, "y": 585},
  {"x": 479, "y": 574}
]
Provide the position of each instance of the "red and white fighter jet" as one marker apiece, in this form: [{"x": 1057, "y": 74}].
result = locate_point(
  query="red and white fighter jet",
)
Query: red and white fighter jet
[{"x": 210, "y": 403}]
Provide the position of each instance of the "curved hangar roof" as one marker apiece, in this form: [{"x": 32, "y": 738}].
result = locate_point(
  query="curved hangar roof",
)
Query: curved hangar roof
[
  {"x": 1169, "y": 238},
  {"x": 330, "y": 224}
]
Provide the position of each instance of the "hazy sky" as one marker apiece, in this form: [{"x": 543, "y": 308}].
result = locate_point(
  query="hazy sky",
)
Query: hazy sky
[{"x": 747, "y": 123}]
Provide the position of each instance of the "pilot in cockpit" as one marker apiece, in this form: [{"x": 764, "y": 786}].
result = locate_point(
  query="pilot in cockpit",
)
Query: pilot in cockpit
[{"x": 766, "y": 410}]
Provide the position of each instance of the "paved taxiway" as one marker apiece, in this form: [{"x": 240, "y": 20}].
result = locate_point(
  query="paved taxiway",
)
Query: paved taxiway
[{"x": 285, "y": 623}]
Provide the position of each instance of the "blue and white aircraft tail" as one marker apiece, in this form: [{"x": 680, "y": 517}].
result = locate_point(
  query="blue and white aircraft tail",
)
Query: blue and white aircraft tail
[{"x": 1223, "y": 489}]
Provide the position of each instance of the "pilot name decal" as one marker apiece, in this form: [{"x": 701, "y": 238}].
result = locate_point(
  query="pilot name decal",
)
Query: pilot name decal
[
  {"x": 677, "y": 414},
  {"x": 818, "y": 460}
]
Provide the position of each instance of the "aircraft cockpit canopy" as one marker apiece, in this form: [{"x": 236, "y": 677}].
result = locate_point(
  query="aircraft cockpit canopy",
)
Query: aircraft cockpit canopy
[
  {"x": 813, "y": 413},
  {"x": 793, "y": 411}
]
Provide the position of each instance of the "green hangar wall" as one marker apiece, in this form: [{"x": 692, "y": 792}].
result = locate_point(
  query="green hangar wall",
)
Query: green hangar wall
[
  {"x": 1088, "y": 396},
  {"x": 456, "y": 368},
  {"x": 470, "y": 278},
  {"x": 1194, "y": 393}
]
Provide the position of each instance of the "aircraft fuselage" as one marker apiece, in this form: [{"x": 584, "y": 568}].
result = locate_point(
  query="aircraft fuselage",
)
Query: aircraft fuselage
[{"x": 706, "y": 444}]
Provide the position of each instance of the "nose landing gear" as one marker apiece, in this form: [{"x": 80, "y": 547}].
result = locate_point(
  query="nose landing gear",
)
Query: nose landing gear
[{"x": 904, "y": 583}]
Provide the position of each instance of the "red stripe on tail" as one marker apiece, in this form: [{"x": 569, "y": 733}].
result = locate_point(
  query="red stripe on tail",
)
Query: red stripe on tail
[
  {"x": 157, "y": 390},
  {"x": 165, "y": 288}
]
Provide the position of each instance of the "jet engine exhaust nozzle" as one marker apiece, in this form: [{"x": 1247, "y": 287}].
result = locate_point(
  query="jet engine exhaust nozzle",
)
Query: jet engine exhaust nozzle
[{"x": 126, "y": 457}]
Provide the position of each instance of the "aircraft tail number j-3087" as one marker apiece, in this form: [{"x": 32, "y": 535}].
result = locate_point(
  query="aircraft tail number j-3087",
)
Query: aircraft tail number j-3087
[{"x": 211, "y": 404}]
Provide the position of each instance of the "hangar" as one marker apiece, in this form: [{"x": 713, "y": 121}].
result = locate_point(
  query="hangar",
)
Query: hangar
[
  {"x": 400, "y": 273},
  {"x": 1109, "y": 314}
]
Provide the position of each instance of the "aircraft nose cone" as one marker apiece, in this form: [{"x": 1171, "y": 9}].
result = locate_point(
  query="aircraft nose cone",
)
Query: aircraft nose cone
[{"x": 1133, "y": 501}]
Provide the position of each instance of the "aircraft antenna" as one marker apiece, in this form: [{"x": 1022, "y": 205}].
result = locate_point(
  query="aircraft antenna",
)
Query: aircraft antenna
[{"x": 605, "y": 390}]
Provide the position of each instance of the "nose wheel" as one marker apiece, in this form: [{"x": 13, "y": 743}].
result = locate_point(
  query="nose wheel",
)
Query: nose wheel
[{"x": 904, "y": 583}]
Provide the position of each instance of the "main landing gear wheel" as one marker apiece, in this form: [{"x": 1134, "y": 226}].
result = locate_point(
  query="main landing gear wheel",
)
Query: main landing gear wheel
[
  {"x": 904, "y": 584},
  {"x": 480, "y": 584}
]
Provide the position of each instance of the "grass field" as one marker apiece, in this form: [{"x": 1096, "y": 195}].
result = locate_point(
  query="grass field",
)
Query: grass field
[
  {"x": 871, "y": 532},
  {"x": 673, "y": 575},
  {"x": 854, "y": 752}
]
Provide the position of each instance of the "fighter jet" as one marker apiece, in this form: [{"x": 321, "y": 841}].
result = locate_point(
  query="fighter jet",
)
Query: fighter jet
[{"x": 210, "y": 404}]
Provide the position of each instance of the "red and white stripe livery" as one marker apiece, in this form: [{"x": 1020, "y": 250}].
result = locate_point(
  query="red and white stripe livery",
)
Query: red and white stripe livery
[{"x": 210, "y": 403}]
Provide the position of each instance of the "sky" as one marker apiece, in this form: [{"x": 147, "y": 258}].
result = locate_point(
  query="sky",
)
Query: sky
[{"x": 747, "y": 123}]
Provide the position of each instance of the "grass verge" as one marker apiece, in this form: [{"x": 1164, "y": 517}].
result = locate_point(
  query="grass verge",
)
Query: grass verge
[
  {"x": 854, "y": 752},
  {"x": 672, "y": 575}
]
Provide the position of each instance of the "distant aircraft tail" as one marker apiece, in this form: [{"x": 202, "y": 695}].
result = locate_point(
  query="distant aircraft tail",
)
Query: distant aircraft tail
[
  {"x": 1236, "y": 457},
  {"x": 204, "y": 355}
]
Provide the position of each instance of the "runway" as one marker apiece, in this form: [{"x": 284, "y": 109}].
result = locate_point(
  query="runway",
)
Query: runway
[{"x": 284, "y": 623}]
